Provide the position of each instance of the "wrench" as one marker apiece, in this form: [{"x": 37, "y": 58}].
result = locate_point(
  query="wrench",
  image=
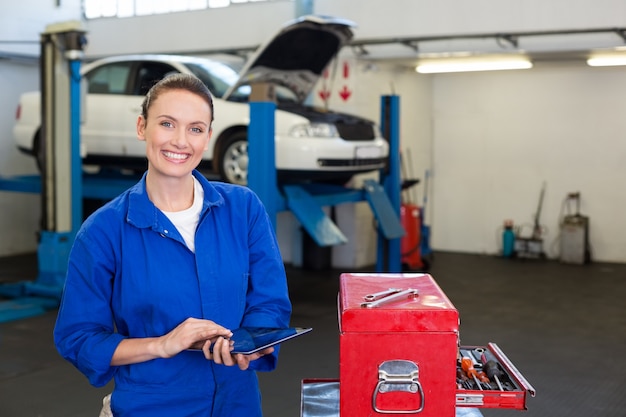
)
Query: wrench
[
  {"x": 382, "y": 294},
  {"x": 408, "y": 293}
]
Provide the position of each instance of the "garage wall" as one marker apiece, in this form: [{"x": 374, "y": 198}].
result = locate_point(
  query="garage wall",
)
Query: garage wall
[
  {"x": 410, "y": 18},
  {"x": 237, "y": 26},
  {"x": 20, "y": 217},
  {"x": 498, "y": 136}
]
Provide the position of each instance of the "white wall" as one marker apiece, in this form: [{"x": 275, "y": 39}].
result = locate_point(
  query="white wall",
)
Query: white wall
[
  {"x": 498, "y": 136},
  {"x": 20, "y": 212},
  {"x": 410, "y": 18},
  {"x": 237, "y": 26}
]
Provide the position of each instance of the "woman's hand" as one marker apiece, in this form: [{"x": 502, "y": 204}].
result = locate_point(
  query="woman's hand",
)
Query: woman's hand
[
  {"x": 192, "y": 333},
  {"x": 221, "y": 354}
]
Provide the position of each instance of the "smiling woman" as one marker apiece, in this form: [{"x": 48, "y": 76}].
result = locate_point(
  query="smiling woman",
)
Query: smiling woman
[{"x": 172, "y": 263}]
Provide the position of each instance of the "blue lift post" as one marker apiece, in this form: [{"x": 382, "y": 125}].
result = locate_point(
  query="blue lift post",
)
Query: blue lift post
[
  {"x": 262, "y": 168},
  {"x": 306, "y": 201},
  {"x": 389, "y": 250},
  {"x": 61, "y": 186}
]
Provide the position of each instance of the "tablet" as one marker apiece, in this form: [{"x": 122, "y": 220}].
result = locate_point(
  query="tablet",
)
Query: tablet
[{"x": 248, "y": 340}]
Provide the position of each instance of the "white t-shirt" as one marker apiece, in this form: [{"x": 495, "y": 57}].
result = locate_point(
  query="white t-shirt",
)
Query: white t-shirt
[{"x": 186, "y": 220}]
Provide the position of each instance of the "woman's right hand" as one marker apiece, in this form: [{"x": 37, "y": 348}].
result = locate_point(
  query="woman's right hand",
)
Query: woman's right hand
[{"x": 191, "y": 333}]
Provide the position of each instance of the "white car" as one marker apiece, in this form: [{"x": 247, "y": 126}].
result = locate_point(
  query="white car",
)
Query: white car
[{"x": 311, "y": 143}]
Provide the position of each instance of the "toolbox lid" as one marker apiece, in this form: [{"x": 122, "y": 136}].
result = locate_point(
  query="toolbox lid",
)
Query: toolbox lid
[{"x": 429, "y": 310}]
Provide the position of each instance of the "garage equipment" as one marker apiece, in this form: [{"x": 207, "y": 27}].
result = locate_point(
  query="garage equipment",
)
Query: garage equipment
[
  {"x": 411, "y": 218},
  {"x": 532, "y": 247},
  {"x": 307, "y": 201},
  {"x": 425, "y": 249},
  {"x": 399, "y": 354},
  {"x": 61, "y": 50},
  {"x": 574, "y": 234},
  {"x": 398, "y": 357},
  {"x": 62, "y": 47},
  {"x": 508, "y": 239},
  {"x": 389, "y": 248},
  {"x": 493, "y": 372}
]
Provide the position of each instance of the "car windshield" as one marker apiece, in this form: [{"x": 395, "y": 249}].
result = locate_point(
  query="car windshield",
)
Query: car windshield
[
  {"x": 219, "y": 77},
  {"x": 216, "y": 75}
]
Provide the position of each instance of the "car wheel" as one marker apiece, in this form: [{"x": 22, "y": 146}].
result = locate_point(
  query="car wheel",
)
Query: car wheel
[{"x": 233, "y": 159}]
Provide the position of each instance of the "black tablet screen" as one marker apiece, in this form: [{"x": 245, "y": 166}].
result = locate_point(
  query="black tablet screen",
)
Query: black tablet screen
[{"x": 248, "y": 340}]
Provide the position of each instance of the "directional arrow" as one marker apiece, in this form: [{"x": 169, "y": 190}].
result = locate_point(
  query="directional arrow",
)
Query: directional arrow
[{"x": 345, "y": 93}]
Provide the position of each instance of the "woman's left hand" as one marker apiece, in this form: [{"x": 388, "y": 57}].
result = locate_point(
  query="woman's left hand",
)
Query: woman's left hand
[{"x": 221, "y": 354}]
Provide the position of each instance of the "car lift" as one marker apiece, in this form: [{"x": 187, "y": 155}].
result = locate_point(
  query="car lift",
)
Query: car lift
[
  {"x": 306, "y": 201},
  {"x": 61, "y": 183}
]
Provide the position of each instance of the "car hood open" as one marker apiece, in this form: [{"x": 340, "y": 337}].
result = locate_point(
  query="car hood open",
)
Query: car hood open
[{"x": 297, "y": 55}]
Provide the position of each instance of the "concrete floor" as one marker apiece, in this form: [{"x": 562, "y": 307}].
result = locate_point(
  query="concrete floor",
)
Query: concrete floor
[{"x": 563, "y": 326}]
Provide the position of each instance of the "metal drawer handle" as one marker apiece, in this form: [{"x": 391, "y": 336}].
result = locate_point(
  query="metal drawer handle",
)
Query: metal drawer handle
[{"x": 398, "y": 375}]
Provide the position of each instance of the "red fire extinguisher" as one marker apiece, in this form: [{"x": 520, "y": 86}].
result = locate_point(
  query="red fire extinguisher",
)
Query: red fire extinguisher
[{"x": 410, "y": 217}]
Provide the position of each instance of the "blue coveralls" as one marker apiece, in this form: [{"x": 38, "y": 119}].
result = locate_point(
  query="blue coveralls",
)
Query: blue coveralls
[{"x": 130, "y": 274}]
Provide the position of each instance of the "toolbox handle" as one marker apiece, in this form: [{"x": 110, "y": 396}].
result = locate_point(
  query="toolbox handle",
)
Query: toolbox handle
[{"x": 398, "y": 375}]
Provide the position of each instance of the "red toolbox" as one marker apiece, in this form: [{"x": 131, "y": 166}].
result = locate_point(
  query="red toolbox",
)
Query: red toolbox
[
  {"x": 397, "y": 353},
  {"x": 400, "y": 354}
]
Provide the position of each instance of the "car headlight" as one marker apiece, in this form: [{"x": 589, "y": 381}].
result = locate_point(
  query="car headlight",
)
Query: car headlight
[{"x": 314, "y": 130}]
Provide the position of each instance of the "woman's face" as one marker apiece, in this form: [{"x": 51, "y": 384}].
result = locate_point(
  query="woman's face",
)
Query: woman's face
[{"x": 176, "y": 132}]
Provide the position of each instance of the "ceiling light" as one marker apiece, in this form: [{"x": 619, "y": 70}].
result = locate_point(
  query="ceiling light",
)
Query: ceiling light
[
  {"x": 606, "y": 60},
  {"x": 486, "y": 63}
]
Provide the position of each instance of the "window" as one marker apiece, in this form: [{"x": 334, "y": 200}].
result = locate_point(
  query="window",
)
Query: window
[
  {"x": 109, "y": 79},
  {"x": 127, "y": 8}
]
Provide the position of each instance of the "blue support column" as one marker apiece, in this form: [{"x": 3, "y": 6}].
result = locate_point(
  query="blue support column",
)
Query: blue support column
[
  {"x": 77, "y": 163},
  {"x": 262, "y": 157},
  {"x": 389, "y": 250}
]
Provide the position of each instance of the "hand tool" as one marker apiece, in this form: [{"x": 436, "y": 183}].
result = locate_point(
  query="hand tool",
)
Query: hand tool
[
  {"x": 462, "y": 379},
  {"x": 408, "y": 293},
  {"x": 466, "y": 353},
  {"x": 381, "y": 294},
  {"x": 487, "y": 357},
  {"x": 468, "y": 367},
  {"x": 493, "y": 372}
]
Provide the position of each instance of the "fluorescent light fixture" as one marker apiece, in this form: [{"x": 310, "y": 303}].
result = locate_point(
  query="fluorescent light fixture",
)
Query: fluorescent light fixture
[
  {"x": 606, "y": 60},
  {"x": 477, "y": 63}
]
